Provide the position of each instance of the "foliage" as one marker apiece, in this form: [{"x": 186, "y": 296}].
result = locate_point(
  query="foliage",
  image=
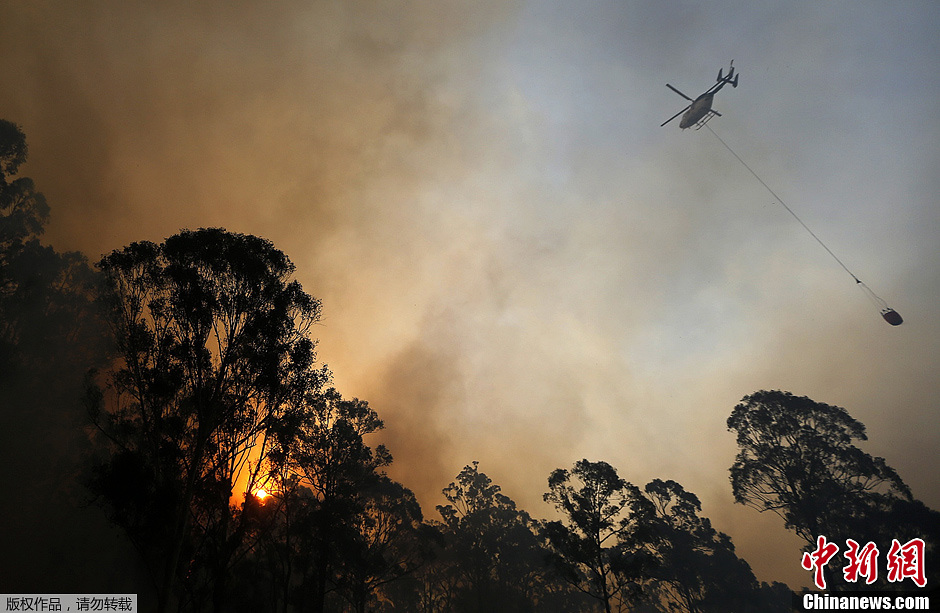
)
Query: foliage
[
  {"x": 493, "y": 551},
  {"x": 325, "y": 453},
  {"x": 647, "y": 548},
  {"x": 212, "y": 337},
  {"x": 51, "y": 333},
  {"x": 388, "y": 543},
  {"x": 798, "y": 458},
  {"x": 688, "y": 566},
  {"x": 46, "y": 297},
  {"x": 587, "y": 548}
]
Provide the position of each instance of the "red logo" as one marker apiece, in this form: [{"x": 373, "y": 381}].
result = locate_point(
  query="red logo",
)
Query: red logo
[
  {"x": 907, "y": 560},
  {"x": 862, "y": 562},
  {"x": 818, "y": 559},
  {"x": 904, "y": 561}
]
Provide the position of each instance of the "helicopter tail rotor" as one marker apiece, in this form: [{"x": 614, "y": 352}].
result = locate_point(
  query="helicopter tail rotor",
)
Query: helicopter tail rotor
[{"x": 723, "y": 79}]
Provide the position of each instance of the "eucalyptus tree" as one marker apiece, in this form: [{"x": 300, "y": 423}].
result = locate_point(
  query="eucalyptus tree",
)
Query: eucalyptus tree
[
  {"x": 327, "y": 456},
  {"x": 51, "y": 333},
  {"x": 213, "y": 344},
  {"x": 687, "y": 565},
  {"x": 493, "y": 550},
  {"x": 48, "y": 321},
  {"x": 387, "y": 544},
  {"x": 587, "y": 545},
  {"x": 798, "y": 459}
]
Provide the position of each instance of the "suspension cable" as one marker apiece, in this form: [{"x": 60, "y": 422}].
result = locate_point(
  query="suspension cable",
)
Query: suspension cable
[
  {"x": 780, "y": 200},
  {"x": 889, "y": 314}
]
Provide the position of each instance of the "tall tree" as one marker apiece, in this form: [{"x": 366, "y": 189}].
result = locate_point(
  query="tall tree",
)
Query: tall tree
[
  {"x": 212, "y": 334},
  {"x": 798, "y": 459},
  {"x": 51, "y": 333},
  {"x": 388, "y": 544},
  {"x": 46, "y": 297},
  {"x": 587, "y": 546},
  {"x": 492, "y": 548},
  {"x": 23, "y": 210},
  {"x": 689, "y": 567},
  {"x": 23, "y": 216},
  {"x": 327, "y": 455}
]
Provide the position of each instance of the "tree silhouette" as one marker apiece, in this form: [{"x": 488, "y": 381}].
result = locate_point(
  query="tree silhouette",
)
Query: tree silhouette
[
  {"x": 688, "y": 566},
  {"x": 797, "y": 458},
  {"x": 587, "y": 546},
  {"x": 46, "y": 297},
  {"x": 51, "y": 333},
  {"x": 23, "y": 216},
  {"x": 212, "y": 338},
  {"x": 493, "y": 551},
  {"x": 24, "y": 210},
  {"x": 327, "y": 456},
  {"x": 388, "y": 544}
]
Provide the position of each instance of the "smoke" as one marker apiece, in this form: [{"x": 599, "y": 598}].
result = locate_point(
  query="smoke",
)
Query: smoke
[
  {"x": 313, "y": 124},
  {"x": 517, "y": 265}
]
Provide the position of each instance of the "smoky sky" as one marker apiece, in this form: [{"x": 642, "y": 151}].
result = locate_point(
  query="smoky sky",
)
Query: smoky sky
[{"x": 517, "y": 264}]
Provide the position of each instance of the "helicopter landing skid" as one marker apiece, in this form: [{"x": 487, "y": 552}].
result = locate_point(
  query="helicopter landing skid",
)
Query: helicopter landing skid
[{"x": 701, "y": 122}]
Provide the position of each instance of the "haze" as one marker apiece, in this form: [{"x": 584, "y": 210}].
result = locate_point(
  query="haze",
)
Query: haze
[{"x": 517, "y": 264}]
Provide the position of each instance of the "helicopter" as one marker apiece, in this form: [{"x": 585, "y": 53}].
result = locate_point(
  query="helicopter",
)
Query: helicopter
[{"x": 700, "y": 111}]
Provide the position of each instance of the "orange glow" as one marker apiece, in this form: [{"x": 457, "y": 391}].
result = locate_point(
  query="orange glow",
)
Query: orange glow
[{"x": 260, "y": 494}]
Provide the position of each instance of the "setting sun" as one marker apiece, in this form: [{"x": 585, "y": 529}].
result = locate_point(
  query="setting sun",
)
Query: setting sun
[{"x": 261, "y": 494}]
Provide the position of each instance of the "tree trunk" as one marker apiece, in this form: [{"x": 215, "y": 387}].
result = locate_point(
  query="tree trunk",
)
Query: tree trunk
[{"x": 179, "y": 530}]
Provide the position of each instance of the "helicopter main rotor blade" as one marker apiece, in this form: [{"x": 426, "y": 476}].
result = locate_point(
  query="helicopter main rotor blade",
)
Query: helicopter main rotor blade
[
  {"x": 674, "y": 116},
  {"x": 678, "y": 92}
]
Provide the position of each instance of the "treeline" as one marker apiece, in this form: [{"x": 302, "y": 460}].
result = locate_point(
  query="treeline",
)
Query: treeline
[{"x": 245, "y": 480}]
